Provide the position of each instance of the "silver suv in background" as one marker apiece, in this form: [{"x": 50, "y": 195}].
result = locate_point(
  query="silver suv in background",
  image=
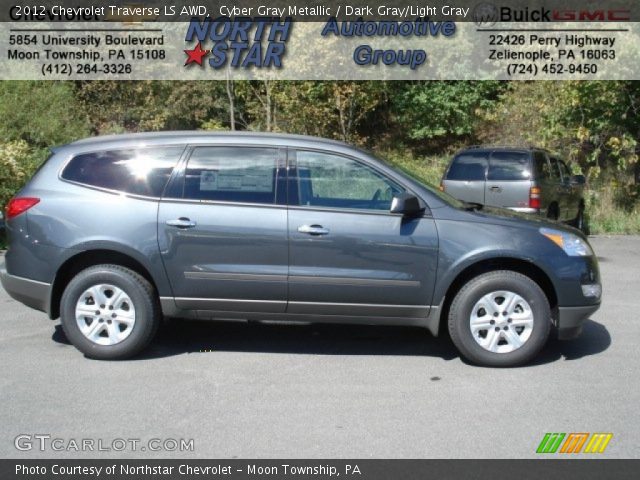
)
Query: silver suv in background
[{"x": 528, "y": 180}]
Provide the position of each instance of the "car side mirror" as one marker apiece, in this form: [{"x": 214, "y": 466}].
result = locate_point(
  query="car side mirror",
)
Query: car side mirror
[
  {"x": 407, "y": 204},
  {"x": 578, "y": 180}
]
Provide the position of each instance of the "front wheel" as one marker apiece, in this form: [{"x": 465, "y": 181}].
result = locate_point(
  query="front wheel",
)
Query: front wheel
[
  {"x": 500, "y": 319},
  {"x": 109, "y": 312}
]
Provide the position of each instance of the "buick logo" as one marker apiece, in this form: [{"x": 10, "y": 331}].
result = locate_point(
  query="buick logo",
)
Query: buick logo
[{"x": 485, "y": 14}]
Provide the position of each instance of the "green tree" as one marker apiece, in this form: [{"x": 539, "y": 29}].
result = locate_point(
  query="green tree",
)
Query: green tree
[
  {"x": 443, "y": 111},
  {"x": 40, "y": 113}
]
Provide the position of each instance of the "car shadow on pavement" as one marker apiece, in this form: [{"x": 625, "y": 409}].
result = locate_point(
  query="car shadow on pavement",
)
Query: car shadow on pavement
[
  {"x": 179, "y": 337},
  {"x": 595, "y": 339}
]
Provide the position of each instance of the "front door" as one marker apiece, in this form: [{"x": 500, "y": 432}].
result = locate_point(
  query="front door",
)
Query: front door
[
  {"x": 223, "y": 240},
  {"x": 348, "y": 254}
]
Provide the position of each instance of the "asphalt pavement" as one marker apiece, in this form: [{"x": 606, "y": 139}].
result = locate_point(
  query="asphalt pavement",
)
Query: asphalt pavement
[{"x": 274, "y": 391}]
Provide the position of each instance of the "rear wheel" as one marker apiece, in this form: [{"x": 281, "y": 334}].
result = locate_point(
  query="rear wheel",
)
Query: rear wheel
[
  {"x": 109, "y": 312},
  {"x": 581, "y": 221},
  {"x": 553, "y": 212},
  {"x": 500, "y": 319}
]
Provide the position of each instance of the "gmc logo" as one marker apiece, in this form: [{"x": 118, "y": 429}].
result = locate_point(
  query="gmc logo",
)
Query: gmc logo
[{"x": 592, "y": 15}]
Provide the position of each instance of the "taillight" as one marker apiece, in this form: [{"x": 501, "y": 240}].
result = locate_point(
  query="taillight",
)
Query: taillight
[
  {"x": 19, "y": 205},
  {"x": 534, "y": 197}
]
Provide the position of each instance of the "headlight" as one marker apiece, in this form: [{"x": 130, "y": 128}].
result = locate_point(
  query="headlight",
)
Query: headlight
[{"x": 573, "y": 245}]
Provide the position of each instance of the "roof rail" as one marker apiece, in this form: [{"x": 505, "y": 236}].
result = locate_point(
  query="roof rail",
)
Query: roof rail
[{"x": 502, "y": 145}]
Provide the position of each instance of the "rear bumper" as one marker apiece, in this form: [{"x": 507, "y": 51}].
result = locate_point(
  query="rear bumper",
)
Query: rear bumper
[
  {"x": 525, "y": 210},
  {"x": 571, "y": 319},
  {"x": 32, "y": 293}
]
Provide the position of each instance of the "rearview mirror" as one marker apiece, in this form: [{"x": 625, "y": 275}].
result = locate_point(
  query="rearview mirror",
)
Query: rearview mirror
[
  {"x": 407, "y": 204},
  {"x": 578, "y": 180}
]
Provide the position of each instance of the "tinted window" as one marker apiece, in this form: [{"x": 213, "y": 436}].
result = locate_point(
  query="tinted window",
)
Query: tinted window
[
  {"x": 566, "y": 174},
  {"x": 509, "y": 166},
  {"x": 138, "y": 171},
  {"x": 327, "y": 180},
  {"x": 540, "y": 166},
  {"x": 554, "y": 172},
  {"x": 468, "y": 166},
  {"x": 232, "y": 174}
]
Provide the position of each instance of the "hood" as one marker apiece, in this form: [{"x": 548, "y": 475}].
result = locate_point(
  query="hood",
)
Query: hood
[{"x": 506, "y": 217}]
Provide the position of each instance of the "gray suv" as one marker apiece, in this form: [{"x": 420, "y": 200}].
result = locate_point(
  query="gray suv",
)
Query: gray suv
[
  {"x": 113, "y": 233},
  {"x": 528, "y": 180}
]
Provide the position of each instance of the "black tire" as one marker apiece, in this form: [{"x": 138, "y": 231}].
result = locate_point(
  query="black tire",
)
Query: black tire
[
  {"x": 461, "y": 309},
  {"x": 142, "y": 295},
  {"x": 581, "y": 221}
]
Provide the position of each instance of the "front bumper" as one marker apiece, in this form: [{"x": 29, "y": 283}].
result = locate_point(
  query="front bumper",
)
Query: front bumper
[
  {"x": 32, "y": 293},
  {"x": 571, "y": 319}
]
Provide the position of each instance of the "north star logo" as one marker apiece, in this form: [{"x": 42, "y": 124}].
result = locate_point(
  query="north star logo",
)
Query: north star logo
[
  {"x": 242, "y": 42},
  {"x": 195, "y": 55}
]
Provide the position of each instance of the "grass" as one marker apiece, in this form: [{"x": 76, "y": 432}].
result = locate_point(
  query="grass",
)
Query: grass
[
  {"x": 607, "y": 216},
  {"x": 428, "y": 169}
]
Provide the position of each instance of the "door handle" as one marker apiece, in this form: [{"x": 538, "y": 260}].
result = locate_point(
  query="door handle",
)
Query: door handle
[
  {"x": 181, "y": 222},
  {"x": 496, "y": 189},
  {"x": 313, "y": 230}
]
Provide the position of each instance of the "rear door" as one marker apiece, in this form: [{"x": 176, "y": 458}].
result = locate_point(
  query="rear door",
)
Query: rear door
[
  {"x": 556, "y": 191},
  {"x": 222, "y": 230},
  {"x": 465, "y": 178},
  {"x": 508, "y": 179},
  {"x": 572, "y": 194},
  {"x": 348, "y": 254}
]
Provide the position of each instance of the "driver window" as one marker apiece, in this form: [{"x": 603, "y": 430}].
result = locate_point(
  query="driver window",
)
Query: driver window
[{"x": 326, "y": 180}]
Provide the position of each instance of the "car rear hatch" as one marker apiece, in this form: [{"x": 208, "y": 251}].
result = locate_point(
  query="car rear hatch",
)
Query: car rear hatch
[
  {"x": 465, "y": 177},
  {"x": 508, "y": 179}
]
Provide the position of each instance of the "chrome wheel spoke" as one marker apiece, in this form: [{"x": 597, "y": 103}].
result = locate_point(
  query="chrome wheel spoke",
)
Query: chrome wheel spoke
[
  {"x": 491, "y": 340},
  {"x": 513, "y": 338},
  {"x": 86, "y": 311},
  {"x": 522, "y": 321},
  {"x": 114, "y": 334},
  {"x": 117, "y": 299},
  {"x": 98, "y": 295},
  {"x": 510, "y": 301},
  {"x": 125, "y": 317},
  {"x": 93, "y": 331}
]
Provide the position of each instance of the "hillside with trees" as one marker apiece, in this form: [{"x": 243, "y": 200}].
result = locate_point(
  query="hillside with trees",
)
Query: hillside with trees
[{"x": 595, "y": 126}]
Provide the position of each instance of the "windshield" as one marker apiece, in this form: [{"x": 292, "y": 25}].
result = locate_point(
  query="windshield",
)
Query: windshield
[{"x": 413, "y": 176}]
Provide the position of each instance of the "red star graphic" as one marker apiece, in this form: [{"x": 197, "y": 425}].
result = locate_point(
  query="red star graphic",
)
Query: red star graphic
[{"x": 196, "y": 55}]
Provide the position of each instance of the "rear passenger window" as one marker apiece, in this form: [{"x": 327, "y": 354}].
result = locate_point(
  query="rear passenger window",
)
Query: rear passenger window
[
  {"x": 540, "y": 166},
  {"x": 232, "y": 174},
  {"x": 564, "y": 170},
  {"x": 468, "y": 166},
  {"x": 144, "y": 171},
  {"x": 509, "y": 166},
  {"x": 554, "y": 171}
]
